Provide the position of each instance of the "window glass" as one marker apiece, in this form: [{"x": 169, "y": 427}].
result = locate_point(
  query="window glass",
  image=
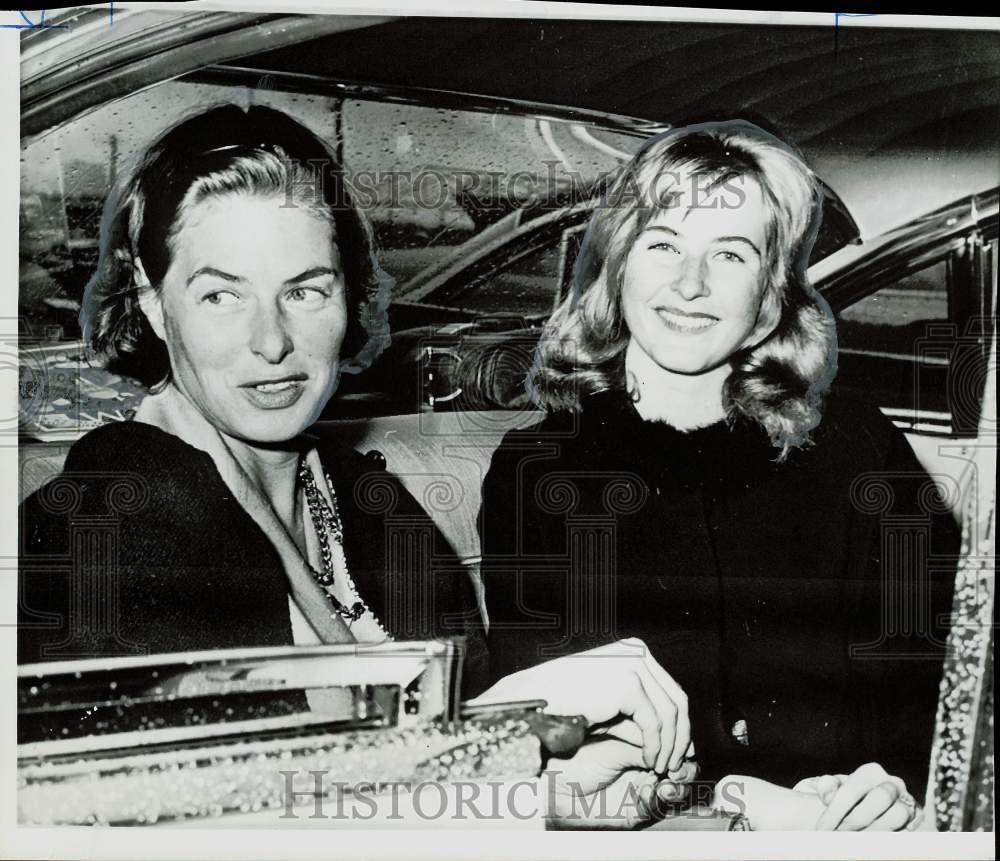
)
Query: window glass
[
  {"x": 892, "y": 319},
  {"x": 432, "y": 179},
  {"x": 528, "y": 287},
  {"x": 896, "y": 350}
]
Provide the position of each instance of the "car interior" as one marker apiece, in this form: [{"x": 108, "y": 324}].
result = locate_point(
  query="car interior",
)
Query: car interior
[{"x": 478, "y": 169}]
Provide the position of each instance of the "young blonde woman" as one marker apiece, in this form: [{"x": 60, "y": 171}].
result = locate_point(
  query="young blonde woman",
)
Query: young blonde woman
[{"x": 696, "y": 485}]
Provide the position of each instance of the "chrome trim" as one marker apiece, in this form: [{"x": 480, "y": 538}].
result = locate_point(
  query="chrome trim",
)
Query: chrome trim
[
  {"x": 915, "y": 414},
  {"x": 899, "y": 357},
  {"x": 174, "y": 735},
  {"x": 47, "y": 689},
  {"x": 926, "y": 429},
  {"x": 86, "y": 75},
  {"x": 424, "y": 96},
  {"x": 913, "y": 246}
]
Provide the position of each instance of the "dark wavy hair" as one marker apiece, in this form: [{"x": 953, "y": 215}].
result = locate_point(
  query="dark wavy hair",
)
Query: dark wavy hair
[
  {"x": 778, "y": 382},
  {"x": 225, "y": 150}
]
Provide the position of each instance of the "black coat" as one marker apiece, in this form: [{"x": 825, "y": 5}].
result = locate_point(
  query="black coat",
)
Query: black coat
[
  {"x": 138, "y": 548},
  {"x": 766, "y": 590}
]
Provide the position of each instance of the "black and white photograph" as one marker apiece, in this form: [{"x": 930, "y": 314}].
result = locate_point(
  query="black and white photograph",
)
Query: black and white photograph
[{"x": 552, "y": 423}]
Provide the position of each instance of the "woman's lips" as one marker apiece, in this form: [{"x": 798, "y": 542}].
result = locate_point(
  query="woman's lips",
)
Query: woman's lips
[
  {"x": 685, "y": 323},
  {"x": 274, "y": 396}
]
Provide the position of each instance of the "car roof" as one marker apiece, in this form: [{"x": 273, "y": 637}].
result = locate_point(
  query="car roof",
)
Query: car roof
[{"x": 912, "y": 112}]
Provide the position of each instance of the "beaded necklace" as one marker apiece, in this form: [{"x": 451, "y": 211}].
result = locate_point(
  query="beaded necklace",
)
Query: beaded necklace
[{"x": 327, "y": 523}]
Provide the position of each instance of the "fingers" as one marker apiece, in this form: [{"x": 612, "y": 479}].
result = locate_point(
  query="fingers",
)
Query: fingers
[
  {"x": 673, "y": 723},
  {"x": 676, "y": 747},
  {"x": 639, "y": 706},
  {"x": 850, "y": 793},
  {"x": 903, "y": 813},
  {"x": 896, "y": 818},
  {"x": 682, "y": 733},
  {"x": 624, "y": 729},
  {"x": 645, "y": 790},
  {"x": 685, "y": 774},
  {"x": 827, "y": 786},
  {"x": 878, "y": 801},
  {"x": 824, "y": 785},
  {"x": 619, "y": 678},
  {"x": 627, "y": 730},
  {"x": 671, "y": 791},
  {"x": 655, "y": 716}
]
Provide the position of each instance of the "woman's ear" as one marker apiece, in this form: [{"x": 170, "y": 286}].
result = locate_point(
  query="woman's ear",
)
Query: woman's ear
[{"x": 149, "y": 301}]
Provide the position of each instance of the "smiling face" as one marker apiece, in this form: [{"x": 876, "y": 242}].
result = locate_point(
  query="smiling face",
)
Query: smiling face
[
  {"x": 694, "y": 281},
  {"x": 253, "y": 312}
]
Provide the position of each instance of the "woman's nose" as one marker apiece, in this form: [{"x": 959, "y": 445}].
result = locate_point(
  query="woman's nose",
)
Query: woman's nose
[
  {"x": 269, "y": 336},
  {"x": 692, "y": 279}
]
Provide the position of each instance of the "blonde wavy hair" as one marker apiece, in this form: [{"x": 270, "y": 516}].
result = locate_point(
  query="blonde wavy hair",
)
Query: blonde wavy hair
[{"x": 780, "y": 381}]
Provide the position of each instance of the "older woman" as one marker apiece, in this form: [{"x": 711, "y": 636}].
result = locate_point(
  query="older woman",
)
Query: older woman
[
  {"x": 693, "y": 486},
  {"x": 237, "y": 282}
]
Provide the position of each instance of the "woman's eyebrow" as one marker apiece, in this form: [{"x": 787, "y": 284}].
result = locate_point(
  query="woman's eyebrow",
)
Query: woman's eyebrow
[
  {"x": 742, "y": 239},
  {"x": 215, "y": 273},
  {"x": 315, "y": 272}
]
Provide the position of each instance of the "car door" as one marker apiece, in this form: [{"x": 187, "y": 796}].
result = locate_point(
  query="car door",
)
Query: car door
[{"x": 915, "y": 321}]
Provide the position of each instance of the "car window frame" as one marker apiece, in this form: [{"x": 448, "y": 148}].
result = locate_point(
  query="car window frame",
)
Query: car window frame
[{"x": 958, "y": 234}]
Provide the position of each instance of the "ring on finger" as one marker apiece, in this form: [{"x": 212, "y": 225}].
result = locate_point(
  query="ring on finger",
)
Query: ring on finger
[{"x": 912, "y": 811}]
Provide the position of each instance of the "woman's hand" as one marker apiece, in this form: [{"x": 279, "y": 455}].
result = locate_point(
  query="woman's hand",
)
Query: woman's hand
[
  {"x": 605, "y": 684},
  {"x": 604, "y": 785},
  {"x": 869, "y": 799},
  {"x": 767, "y": 806}
]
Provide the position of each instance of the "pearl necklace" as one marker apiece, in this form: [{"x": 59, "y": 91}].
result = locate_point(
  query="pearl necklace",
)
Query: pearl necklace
[{"x": 326, "y": 521}]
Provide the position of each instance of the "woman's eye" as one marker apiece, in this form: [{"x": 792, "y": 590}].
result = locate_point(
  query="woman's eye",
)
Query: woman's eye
[
  {"x": 307, "y": 294},
  {"x": 664, "y": 246},
  {"x": 731, "y": 257},
  {"x": 221, "y": 297}
]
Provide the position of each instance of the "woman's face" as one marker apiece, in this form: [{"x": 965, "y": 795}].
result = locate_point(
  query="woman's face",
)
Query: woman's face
[
  {"x": 694, "y": 280},
  {"x": 253, "y": 312}
]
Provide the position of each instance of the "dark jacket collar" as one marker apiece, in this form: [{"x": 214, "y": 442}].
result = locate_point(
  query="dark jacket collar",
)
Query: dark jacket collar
[{"x": 726, "y": 453}]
